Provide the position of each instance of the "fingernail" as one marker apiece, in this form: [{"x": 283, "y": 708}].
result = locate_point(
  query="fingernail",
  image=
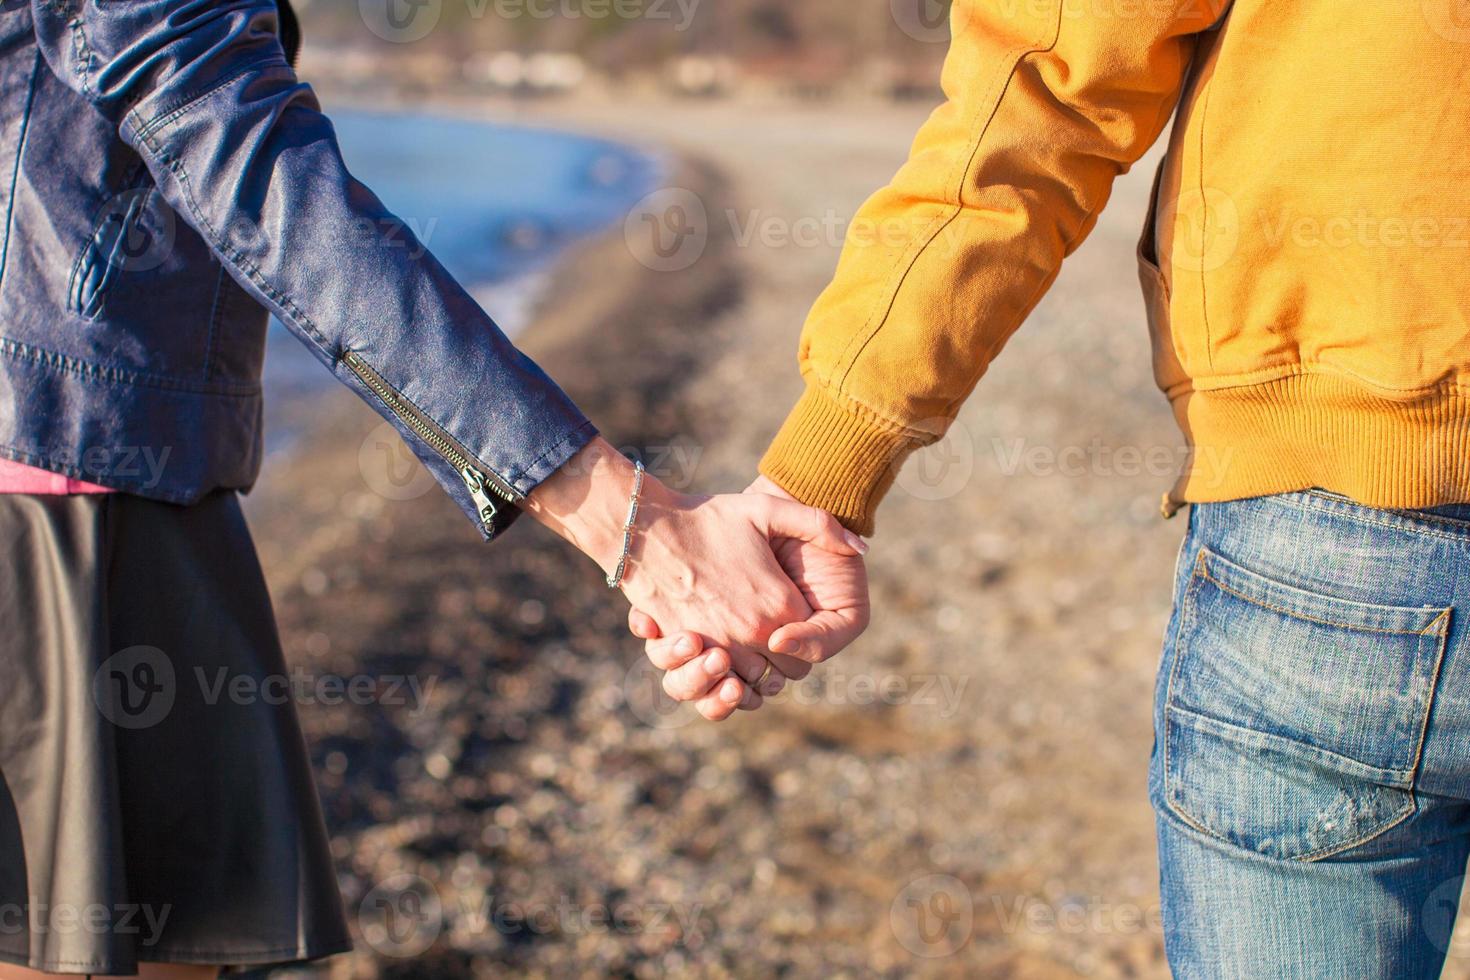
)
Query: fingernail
[
  {"x": 715, "y": 663},
  {"x": 730, "y": 693},
  {"x": 685, "y": 647},
  {"x": 858, "y": 544},
  {"x": 786, "y": 647}
]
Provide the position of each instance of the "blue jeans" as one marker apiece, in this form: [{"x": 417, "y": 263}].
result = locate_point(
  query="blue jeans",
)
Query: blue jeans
[{"x": 1311, "y": 762}]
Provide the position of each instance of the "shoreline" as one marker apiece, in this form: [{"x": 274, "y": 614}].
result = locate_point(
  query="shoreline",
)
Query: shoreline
[{"x": 510, "y": 283}]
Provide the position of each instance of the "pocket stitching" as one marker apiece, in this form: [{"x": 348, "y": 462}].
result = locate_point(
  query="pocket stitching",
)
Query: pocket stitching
[
  {"x": 1410, "y": 807},
  {"x": 1243, "y": 734},
  {"x": 1189, "y": 617},
  {"x": 1407, "y": 809},
  {"x": 1202, "y": 569},
  {"x": 1429, "y": 695}
]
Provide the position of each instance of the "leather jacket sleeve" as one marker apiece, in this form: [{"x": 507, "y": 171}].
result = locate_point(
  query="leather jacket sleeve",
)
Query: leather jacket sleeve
[{"x": 201, "y": 89}]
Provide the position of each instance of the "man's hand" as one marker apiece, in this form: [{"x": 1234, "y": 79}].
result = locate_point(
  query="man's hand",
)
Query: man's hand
[{"x": 835, "y": 587}]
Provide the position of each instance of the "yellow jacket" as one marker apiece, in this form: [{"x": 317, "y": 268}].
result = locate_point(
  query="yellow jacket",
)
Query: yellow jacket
[{"x": 1306, "y": 271}]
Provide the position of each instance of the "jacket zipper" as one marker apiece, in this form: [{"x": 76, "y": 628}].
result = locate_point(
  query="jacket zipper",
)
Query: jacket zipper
[{"x": 484, "y": 487}]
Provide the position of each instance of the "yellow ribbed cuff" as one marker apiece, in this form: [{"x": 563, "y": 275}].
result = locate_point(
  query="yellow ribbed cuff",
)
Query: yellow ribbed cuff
[{"x": 837, "y": 456}]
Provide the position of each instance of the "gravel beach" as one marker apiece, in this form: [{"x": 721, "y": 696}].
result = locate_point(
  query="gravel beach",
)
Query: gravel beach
[{"x": 962, "y": 793}]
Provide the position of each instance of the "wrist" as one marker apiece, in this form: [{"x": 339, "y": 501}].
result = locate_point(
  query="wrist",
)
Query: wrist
[
  {"x": 586, "y": 501},
  {"x": 764, "y": 484}
]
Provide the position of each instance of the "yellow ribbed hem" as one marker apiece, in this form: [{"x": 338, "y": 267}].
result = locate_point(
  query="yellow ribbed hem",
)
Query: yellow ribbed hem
[
  {"x": 1318, "y": 430},
  {"x": 837, "y": 456}
]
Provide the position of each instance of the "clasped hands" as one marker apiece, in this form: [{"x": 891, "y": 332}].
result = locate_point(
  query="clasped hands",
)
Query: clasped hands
[
  {"x": 720, "y": 586},
  {"x": 787, "y": 588}
]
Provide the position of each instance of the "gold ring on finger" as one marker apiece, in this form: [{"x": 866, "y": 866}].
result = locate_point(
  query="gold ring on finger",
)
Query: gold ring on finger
[{"x": 760, "y": 682}]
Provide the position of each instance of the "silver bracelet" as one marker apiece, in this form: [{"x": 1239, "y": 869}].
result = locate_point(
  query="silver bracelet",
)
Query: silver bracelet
[{"x": 616, "y": 578}]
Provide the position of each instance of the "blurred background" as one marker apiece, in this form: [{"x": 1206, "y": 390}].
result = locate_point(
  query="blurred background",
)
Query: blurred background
[{"x": 650, "y": 194}]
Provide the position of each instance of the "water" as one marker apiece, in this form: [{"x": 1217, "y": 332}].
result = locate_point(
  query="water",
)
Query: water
[{"x": 495, "y": 203}]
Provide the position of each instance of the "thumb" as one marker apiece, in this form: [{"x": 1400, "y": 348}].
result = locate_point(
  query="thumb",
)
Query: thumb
[
  {"x": 819, "y": 638},
  {"x": 789, "y": 519}
]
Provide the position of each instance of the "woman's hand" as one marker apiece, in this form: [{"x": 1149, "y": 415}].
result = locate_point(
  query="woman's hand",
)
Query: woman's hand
[{"x": 705, "y": 563}]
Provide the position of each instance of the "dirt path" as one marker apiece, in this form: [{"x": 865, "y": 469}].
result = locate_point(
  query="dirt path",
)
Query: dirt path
[{"x": 1021, "y": 582}]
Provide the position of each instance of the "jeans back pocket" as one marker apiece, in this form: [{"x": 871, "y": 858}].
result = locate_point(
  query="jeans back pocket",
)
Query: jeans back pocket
[{"x": 1292, "y": 720}]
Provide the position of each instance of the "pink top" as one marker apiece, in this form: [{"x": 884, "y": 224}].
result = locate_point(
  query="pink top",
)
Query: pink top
[{"x": 20, "y": 478}]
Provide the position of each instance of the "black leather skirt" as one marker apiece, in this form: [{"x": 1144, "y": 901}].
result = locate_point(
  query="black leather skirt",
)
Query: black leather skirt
[{"x": 154, "y": 805}]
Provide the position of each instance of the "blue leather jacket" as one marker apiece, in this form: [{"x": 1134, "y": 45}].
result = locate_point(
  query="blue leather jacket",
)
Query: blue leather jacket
[{"x": 166, "y": 180}]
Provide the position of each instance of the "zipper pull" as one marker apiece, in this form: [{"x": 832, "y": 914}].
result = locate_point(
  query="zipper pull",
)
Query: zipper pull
[{"x": 475, "y": 480}]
